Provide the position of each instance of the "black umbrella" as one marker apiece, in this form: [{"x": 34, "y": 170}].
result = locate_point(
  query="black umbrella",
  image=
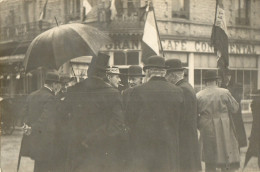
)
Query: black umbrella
[{"x": 58, "y": 45}]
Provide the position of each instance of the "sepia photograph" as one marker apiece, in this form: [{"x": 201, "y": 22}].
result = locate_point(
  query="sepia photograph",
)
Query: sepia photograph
[{"x": 129, "y": 86}]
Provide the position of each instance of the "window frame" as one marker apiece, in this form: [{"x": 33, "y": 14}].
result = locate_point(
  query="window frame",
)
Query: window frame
[
  {"x": 185, "y": 14},
  {"x": 243, "y": 20}
]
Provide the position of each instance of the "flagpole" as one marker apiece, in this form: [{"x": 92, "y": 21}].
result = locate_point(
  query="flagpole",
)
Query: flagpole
[
  {"x": 157, "y": 29},
  {"x": 216, "y": 12}
]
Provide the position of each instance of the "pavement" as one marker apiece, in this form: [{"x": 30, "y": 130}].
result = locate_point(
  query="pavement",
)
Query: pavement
[{"x": 10, "y": 146}]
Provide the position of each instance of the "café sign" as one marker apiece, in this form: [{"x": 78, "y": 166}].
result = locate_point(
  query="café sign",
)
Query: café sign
[
  {"x": 205, "y": 47},
  {"x": 123, "y": 44}
]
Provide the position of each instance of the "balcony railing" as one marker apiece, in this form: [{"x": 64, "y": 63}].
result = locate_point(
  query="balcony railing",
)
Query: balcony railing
[
  {"x": 23, "y": 32},
  {"x": 126, "y": 18}
]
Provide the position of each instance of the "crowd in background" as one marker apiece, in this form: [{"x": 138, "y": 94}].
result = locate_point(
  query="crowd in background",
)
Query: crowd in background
[{"x": 152, "y": 125}]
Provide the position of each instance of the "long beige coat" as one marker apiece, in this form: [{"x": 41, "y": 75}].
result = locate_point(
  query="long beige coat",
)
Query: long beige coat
[{"x": 220, "y": 145}]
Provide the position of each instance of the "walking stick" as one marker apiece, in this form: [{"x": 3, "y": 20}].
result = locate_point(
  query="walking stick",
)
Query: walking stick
[{"x": 19, "y": 157}]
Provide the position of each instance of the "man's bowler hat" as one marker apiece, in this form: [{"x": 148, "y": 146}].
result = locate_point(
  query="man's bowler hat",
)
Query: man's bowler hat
[
  {"x": 135, "y": 70},
  {"x": 155, "y": 62},
  {"x": 210, "y": 75},
  {"x": 174, "y": 65}
]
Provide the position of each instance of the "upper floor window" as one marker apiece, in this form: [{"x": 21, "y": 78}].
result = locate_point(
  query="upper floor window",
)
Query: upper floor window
[
  {"x": 74, "y": 9},
  {"x": 180, "y": 9},
  {"x": 242, "y": 12}
]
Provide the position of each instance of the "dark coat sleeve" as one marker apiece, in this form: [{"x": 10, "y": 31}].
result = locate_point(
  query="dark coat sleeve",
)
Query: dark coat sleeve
[
  {"x": 115, "y": 126},
  {"x": 46, "y": 121}
]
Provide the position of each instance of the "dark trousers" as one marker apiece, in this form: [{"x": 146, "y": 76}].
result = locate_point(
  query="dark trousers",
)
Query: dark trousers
[{"x": 42, "y": 166}]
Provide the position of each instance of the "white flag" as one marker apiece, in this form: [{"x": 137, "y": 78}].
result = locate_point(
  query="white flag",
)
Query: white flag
[
  {"x": 87, "y": 6},
  {"x": 150, "y": 36}
]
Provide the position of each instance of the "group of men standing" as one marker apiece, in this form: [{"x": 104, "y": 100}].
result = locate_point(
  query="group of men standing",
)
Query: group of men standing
[{"x": 150, "y": 126}]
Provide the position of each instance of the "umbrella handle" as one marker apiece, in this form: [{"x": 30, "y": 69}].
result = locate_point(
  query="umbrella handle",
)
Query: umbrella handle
[{"x": 56, "y": 21}]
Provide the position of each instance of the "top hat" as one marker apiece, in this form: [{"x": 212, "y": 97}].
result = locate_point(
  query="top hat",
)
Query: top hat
[
  {"x": 155, "y": 62},
  {"x": 113, "y": 70},
  {"x": 210, "y": 75},
  {"x": 52, "y": 76},
  {"x": 135, "y": 70},
  {"x": 174, "y": 65},
  {"x": 98, "y": 64}
]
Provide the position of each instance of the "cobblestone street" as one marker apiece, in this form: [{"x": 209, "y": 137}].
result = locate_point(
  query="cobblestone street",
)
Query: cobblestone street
[{"x": 10, "y": 146}]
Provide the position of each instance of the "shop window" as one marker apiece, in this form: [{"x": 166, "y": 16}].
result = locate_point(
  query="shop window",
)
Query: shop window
[
  {"x": 197, "y": 80},
  {"x": 180, "y": 9},
  {"x": 240, "y": 77},
  {"x": 132, "y": 58},
  {"x": 119, "y": 58},
  {"x": 183, "y": 57},
  {"x": 246, "y": 85},
  {"x": 132, "y": 6},
  {"x": 128, "y": 58},
  {"x": 242, "y": 11},
  {"x": 20, "y": 87},
  {"x": 253, "y": 81},
  {"x": 74, "y": 9},
  {"x": 205, "y": 61},
  {"x": 247, "y": 78},
  {"x": 240, "y": 61}
]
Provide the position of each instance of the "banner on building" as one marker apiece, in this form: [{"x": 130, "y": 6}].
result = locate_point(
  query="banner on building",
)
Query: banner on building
[
  {"x": 219, "y": 36},
  {"x": 116, "y": 8},
  {"x": 43, "y": 13},
  {"x": 150, "y": 40},
  {"x": 86, "y": 7}
]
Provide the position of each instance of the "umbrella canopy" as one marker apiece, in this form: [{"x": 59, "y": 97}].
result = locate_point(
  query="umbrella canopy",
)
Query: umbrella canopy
[{"x": 58, "y": 45}]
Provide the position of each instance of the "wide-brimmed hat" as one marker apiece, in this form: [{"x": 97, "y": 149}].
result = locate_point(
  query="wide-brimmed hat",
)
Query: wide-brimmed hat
[
  {"x": 52, "y": 77},
  {"x": 155, "y": 62},
  {"x": 113, "y": 70},
  {"x": 174, "y": 65},
  {"x": 135, "y": 70},
  {"x": 210, "y": 75},
  {"x": 98, "y": 64}
]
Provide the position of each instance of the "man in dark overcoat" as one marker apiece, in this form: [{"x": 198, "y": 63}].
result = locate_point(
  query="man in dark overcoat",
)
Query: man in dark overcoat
[
  {"x": 153, "y": 115},
  {"x": 254, "y": 139},
  {"x": 236, "y": 91},
  {"x": 189, "y": 144},
  {"x": 40, "y": 118},
  {"x": 97, "y": 121},
  {"x": 135, "y": 78}
]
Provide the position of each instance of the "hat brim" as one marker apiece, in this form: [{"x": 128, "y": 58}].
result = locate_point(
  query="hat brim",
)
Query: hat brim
[
  {"x": 57, "y": 81},
  {"x": 153, "y": 66},
  {"x": 111, "y": 73},
  {"x": 211, "y": 78},
  {"x": 135, "y": 75},
  {"x": 175, "y": 69}
]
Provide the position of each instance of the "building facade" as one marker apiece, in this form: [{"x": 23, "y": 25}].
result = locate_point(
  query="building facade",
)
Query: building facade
[{"x": 184, "y": 26}]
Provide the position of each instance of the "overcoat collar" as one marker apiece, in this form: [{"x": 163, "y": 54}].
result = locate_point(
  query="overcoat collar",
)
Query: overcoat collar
[
  {"x": 212, "y": 86},
  {"x": 180, "y": 82},
  {"x": 95, "y": 83},
  {"x": 156, "y": 78}
]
